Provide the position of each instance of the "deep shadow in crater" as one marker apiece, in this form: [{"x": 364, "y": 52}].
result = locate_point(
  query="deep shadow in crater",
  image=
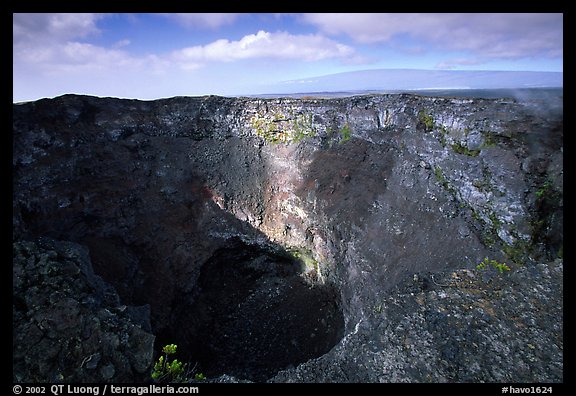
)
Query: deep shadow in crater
[{"x": 252, "y": 315}]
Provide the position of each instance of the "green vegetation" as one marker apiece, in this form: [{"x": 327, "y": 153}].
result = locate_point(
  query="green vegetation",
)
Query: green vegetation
[
  {"x": 339, "y": 135},
  {"x": 281, "y": 128},
  {"x": 302, "y": 127},
  {"x": 462, "y": 149},
  {"x": 489, "y": 229},
  {"x": 482, "y": 185},
  {"x": 267, "y": 127},
  {"x": 489, "y": 237},
  {"x": 292, "y": 126},
  {"x": 427, "y": 120},
  {"x": 489, "y": 220},
  {"x": 489, "y": 141},
  {"x": 486, "y": 263},
  {"x": 493, "y": 217},
  {"x": 443, "y": 181},
  {"x": 305, "y": 257},
  {"x": 443, "y": 137},
  {"x": 345, "y": 133},
  {"x": 166, "y": 371},
  {"x": 443, "y": 134},
  {"x": 441, "y": 178},
  {"x": 517, "y": 252},
  {"x": 544, "y": 190}
]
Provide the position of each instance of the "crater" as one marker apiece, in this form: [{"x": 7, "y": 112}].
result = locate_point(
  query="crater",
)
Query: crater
[
  {"x": 184, "y": 210},
  {"x": 252, "y": 314}
]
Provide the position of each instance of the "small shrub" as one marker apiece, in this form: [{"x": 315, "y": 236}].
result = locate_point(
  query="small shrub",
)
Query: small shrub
[
  {"x": 544, "y": 189},
  {"x": 302, "y": 127},
  {"x": 170, "y": 349},
  {"x": 345, "y": 132},
  {"x": 486, "y": 263},
  {"x": 166, "y": 371},
  {"x": 427, "y": 120}
]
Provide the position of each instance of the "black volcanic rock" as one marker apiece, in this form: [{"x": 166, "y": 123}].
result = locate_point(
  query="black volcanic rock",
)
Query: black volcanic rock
[
  {"x": 361, "y": 193},
  {"x": 460, "y": 328},
  {"x": 68, "y": 324}
]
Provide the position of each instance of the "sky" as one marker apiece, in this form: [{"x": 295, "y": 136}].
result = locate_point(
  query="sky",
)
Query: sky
[{"x": 150, "y": 56}]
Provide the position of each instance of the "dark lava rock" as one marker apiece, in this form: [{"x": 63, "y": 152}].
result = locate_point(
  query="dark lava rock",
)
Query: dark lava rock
[
  {"x": 253, "y": 314},
  {"x": 172, "y": 198},
  {"x": 462, "y": 328},
  {"x": 68, "y": 324}
]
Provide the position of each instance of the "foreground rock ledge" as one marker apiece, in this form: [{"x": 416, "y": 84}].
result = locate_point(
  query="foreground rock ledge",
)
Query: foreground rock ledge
[
  {"x": 69, "y": 325},
  {"x": 386, "y": 202},
  {"x": 464, "y": 325}
]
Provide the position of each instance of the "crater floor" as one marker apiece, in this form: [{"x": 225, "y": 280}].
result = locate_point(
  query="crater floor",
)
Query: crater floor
[{"x": 253, "y": 314}]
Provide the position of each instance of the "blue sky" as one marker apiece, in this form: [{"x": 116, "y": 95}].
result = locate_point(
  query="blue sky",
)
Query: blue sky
[{"x": 150, "y": 56}]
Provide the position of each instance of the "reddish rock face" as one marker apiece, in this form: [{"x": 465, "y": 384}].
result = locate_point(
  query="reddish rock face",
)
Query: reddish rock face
[{"x": 373, "y": 189}]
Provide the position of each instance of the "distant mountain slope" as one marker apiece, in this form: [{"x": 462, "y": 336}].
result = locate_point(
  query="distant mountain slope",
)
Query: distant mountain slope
[{"x": 412, "y": 79}]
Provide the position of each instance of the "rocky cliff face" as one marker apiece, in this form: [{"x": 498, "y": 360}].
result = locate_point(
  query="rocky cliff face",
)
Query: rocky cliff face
[{"x": 279, "y": 229}]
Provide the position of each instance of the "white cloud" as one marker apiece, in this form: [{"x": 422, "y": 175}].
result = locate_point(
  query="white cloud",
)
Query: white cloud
[
  {"x": 361, "y": 27},
  {"x": 33, "y": 28},
  {"x": 55, "y": 54},
  {"x": 50, "y": 44},
  {"x": 200, "y": 20},
  {"x": 53, "y": 43},
  {"x": 77, "y": 58},
  {"x": 491, "y": 35},
  {"x": 121, "y": 43},
  {"x": 263, "y": 44}
]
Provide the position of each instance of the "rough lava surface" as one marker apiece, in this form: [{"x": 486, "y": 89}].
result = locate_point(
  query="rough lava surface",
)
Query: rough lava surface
[{"x": 349, "y": 232}]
